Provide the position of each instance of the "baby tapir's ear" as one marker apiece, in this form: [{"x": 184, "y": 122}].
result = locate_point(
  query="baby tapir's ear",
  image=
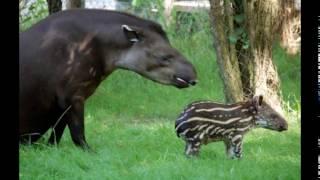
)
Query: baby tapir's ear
[
  {"x": 131, "y": 33},
  {"x": 257, "y": 101}
]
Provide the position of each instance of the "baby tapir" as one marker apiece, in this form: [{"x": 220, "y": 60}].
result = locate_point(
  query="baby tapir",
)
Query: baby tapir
[
  {"x": 203, "y": 122},
  {"x": 64, "y": 58}
]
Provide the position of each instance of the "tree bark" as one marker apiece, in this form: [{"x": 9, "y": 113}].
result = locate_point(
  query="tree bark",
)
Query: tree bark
[
  {"x": 54, "y": 6},
  {"x": 225, "y": 51},
  {"x": 247, "y": 71},
  {"x": 290, "y": 35},
  {"x": 70, "y": 4},
  {"x": 262, "y": 26}
]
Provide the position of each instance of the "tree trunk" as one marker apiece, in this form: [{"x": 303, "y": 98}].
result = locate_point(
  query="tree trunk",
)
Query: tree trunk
[
  {"x": 290, "y": 35},
  {"x": 225, "y": 51},
  {"x": 262, "y": 26},
  {"x": 54, "y": 6},
  {"x": 245, "y": 58},
  {"x": 70, "y": 4}
]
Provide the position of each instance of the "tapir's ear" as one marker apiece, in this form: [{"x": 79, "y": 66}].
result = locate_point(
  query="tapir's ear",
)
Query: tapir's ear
[
  {"x": 257, "y": 100},
  {"x": 130, "y": 33}
]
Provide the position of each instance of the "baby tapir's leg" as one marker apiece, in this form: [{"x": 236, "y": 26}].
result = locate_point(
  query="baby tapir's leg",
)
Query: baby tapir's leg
[
  {"x": 238, "y": 149},
  {"x": 234, "y": 146},
  {"x": 229, "y": 148},
  {"x": 192, "y": 148}
]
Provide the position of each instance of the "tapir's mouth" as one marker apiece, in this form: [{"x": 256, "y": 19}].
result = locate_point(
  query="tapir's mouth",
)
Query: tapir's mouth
[{"x": 183, "y": 83}]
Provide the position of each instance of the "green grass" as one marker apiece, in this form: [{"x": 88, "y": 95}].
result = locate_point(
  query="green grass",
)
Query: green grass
[
  {"x": 131, "y": 149},
  {"x": 130, "y": 125}
]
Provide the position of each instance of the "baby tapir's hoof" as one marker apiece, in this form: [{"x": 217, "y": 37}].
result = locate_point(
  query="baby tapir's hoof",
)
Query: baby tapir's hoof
[{"x": 235, "y": 156}]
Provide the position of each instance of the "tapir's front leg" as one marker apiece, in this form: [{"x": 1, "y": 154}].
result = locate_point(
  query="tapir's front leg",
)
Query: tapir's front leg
[{"x": 76, "y": 122}]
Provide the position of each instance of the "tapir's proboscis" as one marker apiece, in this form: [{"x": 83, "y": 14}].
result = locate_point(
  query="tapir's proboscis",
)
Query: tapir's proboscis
[{"x": 64, "y": 58}]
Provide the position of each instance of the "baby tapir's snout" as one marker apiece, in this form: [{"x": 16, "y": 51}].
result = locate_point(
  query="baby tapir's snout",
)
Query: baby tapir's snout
[
  {"x": 284, "y": 126},
  {"x": 203, "y": 122}
]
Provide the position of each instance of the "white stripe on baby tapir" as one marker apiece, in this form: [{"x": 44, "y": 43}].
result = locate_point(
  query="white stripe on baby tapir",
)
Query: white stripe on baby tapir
[
  {"x": 196, "y": 127},
  {"x": 202, "y": 134},
  {"x": 230, "y": 135},
  {"x": 190, "y": 139},
  {"x": 244, "y": 110},
  {"x": 246, "y": 119},
  {"x": 238, "y": 145},
  {"x": 189, "y": 109},
  {"x": 183, "y": 116},
  {"x": 184, "y": 132},
  {"x": 209, "y": 128},
  {"x": 243, "y": 129},
  {"x": 196, "y": 136},
  {"x": 188, "y": 148},
  {"x": 201, "y": 127},
  {"x": 218, "y": 109},
  {"x": 236, "y": 137},
  {"x": 214, "y": 130},
  {"x": 197, "y": 144},
  {"x": 199, "y": 134},
  {"x": 192, "y": 129},
  {"x": 227, "y": 131},
  {"x": 201, "y": 102},
  {"x": 208, "y": 120},
  {"x": 220, "y": 130}
]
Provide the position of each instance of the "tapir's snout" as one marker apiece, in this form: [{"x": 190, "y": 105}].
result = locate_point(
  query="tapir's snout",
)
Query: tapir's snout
[
  {"x": 193, "y": 82},
  {"x": 185, "y": 76},
  {"x": 181, "y": 82}
]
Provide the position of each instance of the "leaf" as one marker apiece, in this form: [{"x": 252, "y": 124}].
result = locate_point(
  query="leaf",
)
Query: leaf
[
  {"x": 239, "y": 31},
  {"x": 32, "y": 7},
  {"x": 245, "y": 46},
  {"x": 239, "y": 18},
  {"x": 233, "y": 38},
  {"x": 245, "y": 43}
]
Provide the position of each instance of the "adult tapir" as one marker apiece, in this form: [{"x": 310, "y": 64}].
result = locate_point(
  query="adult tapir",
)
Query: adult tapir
[{"x": 64, "y": 58}]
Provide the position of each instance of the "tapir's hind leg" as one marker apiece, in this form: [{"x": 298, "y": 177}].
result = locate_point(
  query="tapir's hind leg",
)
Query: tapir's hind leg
[{"x": 57, "y": 132}]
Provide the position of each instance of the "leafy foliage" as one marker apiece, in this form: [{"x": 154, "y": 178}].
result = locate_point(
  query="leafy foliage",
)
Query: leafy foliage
[{"x": 31, "y": 13}]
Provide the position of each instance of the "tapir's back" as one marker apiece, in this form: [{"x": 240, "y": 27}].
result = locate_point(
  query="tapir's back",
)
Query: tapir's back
[{"x": 75, "y": 18}]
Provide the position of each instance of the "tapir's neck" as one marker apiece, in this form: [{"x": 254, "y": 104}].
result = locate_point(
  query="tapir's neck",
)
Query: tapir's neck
[
  {"x": 125, "y": 59},
  {"x": 114, "y": 60}
]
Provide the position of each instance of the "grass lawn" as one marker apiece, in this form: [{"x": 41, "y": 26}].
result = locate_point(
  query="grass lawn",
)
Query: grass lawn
[{"x": 130, "y": 125}]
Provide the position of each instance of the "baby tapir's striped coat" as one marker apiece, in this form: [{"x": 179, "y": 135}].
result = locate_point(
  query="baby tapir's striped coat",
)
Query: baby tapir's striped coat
[{"x": 203, "y": 122}]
